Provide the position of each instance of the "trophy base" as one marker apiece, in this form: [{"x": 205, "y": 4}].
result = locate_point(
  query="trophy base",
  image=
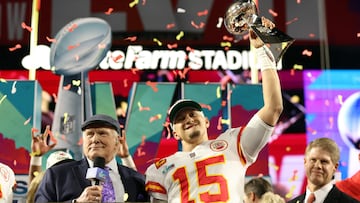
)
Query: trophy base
[{"x": 271, "y": 36}]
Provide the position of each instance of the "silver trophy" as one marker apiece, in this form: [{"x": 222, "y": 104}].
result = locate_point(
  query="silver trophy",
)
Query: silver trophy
[{"x": 241, "y": 16}]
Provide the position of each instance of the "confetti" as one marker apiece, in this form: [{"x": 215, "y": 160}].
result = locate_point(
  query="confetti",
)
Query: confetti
[
  {"x": 67, "y": 87},
  {"x": 225, "y": 44},
  {"x": 66, "y": 118},
  {"x": 157, "y": 41},
  {"x": 50, "y": 39},
  {"x": 24, "y": 26},
  {"x": 202, "y": 13},
  {"x": 131, "y": 39},
  {"x": 154, "y": 118},
  {"x": 109, "y": 11},
  {"x": 152, "y": 85},
  {"x": 116, "y": 58},
  {"x": 141, "y": 108},
  {"x": 297, "y": 67},
  {"x": 3, "y": 98},
  {"x": 311, "y": 35},
  {"x": 170, "y": 25},
  {"x": 133, "y": 3},
  {"x": 76, "y": 82},
  {"x": 358, "y": 34},
  {"x": 201, "y": 25},
  {"x": 180, "y": 35},
  {"x": 27, "y": 121},
  {"x": 3, "y": 80},
  {"x": 70, "y": 47},
  {"x": 35, "y": 153},
  {"x": 273, "y": 13},
  {"x": 72, "y": 27},
  {"x": 172, "y": 46},
  {"x": 220, "y": 21},
  {"x": 291, "y": 21},
  {"x": 17, "y": 46},
  {"x": 80, "y": 142},
  {"x": 227, "y": 38},
  {"x": 181, "y": 10},
  {"x": 307, "y": 52},
  {"x": 13, "y": 88},
  {"x": 291, "y": 191}
]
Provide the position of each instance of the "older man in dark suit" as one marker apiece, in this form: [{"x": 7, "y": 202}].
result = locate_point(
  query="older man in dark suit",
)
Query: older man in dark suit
[
  {"x": 321, "y": 162},
  {"x": 68, "y": 182}
]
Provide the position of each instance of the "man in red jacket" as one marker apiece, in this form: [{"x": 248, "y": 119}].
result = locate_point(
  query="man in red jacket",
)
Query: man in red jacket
[{"x": 351, "y": 185}]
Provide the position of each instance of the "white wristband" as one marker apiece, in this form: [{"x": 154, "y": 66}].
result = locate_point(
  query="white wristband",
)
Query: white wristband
[
  {"x": 35, "y": 161},
  {"x": 265, "y": 59}
]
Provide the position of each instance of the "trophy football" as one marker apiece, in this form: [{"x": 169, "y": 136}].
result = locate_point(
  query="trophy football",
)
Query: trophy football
[{"x": 241, "y": 16}]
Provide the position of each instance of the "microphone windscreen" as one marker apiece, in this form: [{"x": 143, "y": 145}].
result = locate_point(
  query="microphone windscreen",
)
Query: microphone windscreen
[{"x": 99, "y": 162}]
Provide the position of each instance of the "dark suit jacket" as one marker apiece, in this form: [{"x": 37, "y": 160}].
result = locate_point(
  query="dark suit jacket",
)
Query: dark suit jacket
[
  {"x": 334, "y": 196},
  {"x": 67, "y": 181}
]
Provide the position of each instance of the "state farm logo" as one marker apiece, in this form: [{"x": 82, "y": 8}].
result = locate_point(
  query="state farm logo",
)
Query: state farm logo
[{"x": 218, "y": 145}]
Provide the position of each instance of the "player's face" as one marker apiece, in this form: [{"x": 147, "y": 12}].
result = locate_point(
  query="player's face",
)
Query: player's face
[
  {"x": 191, "y": 125},
  {"x": 102, "y": 142},
  {"x": 319, "y": 167}
]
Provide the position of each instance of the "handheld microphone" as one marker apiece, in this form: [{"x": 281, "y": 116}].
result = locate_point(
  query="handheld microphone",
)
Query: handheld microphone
[{"x": 97, "y": 173}]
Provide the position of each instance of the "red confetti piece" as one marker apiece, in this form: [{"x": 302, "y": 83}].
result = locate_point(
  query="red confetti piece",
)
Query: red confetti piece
[
  {"x": 17, "y": 46},
  {"x": 72, "y": 27},
  {"x": 80, "y": 142},
  {"x": 201, "y": 25},
  {"x": 109, "y": 11},
  {"x": 206, "y": 106},
  {"x": 307, "y": 52},
  {"x": 70, "y": 47},
  {"x": 311, "y": 35},
  {"x": 67, "y": 87},
  {"x": 154, "y": 118},
  {"x": 131, "y": 39},
  {"x": 24, "y": 26},
  {"x": 172, "y": 46},
  {"x": 169, "y": 26},
  {"x": 227, "y": 38},
  {"x": 291, "y": 21},
  {"x": 273, "y": 13},
  {"x": 202, "y": 13},
  {"x": 152, "y": 85},
  {"x": 116, "y": 58},
  {"x": 50, "y": 39}
]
